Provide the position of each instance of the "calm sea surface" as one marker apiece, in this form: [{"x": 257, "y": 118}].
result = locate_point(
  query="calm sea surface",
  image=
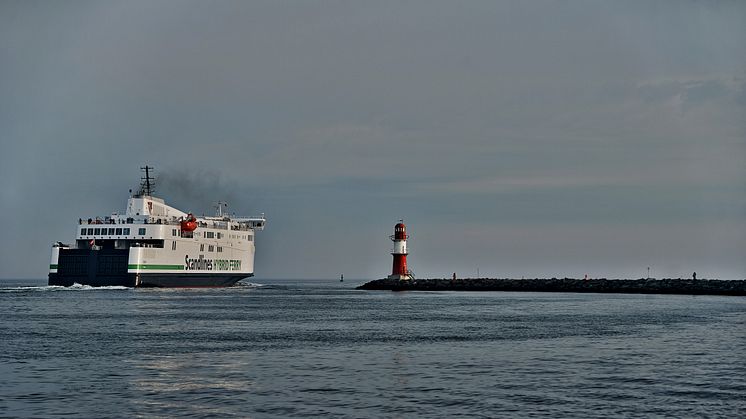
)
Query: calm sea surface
[{"x": 319, "y": 348}]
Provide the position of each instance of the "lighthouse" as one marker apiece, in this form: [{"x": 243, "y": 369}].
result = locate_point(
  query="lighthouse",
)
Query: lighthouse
[{"x": 399, "y": 270}]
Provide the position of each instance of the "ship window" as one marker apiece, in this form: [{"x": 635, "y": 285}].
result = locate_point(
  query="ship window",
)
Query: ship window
[
  {"x": 220, "y": 235},
  {"x": 90, "y": 231},
  {"x": 141, "y": 231},
  {"x": 173, "y": 232},
  {"x": 250, "y": 238},
  {"x": 209, "y": 234},
  {"x": 96, "y": 231},
  {"x": 201, "y": 247},
  {"x": 173, "y": 245},
  {"x": 210, "y": 248},
  {"x": 111, "y": 231},
  {"x": 220, "y": 248},
  {"x": 82, "y": 232},
  {"x": 119, "y": 231}
]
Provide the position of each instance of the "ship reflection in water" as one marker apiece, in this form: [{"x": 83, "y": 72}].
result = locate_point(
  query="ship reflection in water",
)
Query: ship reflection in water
[{"x": 165, "y": 384}]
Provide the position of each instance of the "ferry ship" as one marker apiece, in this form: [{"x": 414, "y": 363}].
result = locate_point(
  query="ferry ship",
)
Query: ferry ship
[{"x": 156, "y": 245}]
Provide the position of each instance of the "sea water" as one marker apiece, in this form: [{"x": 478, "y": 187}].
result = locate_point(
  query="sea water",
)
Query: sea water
[{"x": 300, "y": 348}]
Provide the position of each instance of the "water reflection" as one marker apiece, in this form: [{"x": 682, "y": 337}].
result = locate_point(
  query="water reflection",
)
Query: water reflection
[
  {"x": 308, "y": 350},
  {"x": 196, "y": 386}
]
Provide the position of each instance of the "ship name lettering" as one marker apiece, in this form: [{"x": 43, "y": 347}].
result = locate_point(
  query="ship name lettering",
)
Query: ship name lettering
[
  {"x": 227, "y": 264},
  {"x": 199, "y": 264}
]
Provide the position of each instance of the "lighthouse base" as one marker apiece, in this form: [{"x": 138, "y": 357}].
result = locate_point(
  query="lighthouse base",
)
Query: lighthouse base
[{"x": 400, "y": 277}]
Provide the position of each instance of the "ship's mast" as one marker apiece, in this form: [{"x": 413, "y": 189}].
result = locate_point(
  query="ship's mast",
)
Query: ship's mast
[{"x": 147, "y": 186}]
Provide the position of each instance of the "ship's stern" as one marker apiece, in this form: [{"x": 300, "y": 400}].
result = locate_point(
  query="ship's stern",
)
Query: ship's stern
[{"x": 94, "y": 267}]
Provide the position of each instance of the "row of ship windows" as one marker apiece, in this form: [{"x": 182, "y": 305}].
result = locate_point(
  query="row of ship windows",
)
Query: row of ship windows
[
  {"x": 110, "y": 231},
  {"x": 142, "y": 231},
  {"x": 210, "y": 248},
  {"x": 211, "y": 235}
]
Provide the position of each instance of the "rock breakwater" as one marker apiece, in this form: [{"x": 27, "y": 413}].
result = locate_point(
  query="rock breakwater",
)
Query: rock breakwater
[{"x": 624, "y": 286}]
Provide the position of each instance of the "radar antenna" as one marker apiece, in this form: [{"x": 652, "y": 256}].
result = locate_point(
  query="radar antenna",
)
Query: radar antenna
[
  {"x": 147, "y": 184},
  {"x": 219, "y": 208}
]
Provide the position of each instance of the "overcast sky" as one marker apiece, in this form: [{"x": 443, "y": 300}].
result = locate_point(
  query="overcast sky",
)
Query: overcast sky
[{"x": 519, "y": 138}]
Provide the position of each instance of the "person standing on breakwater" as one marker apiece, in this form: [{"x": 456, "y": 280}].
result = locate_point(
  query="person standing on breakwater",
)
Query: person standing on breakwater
[{"x": 694, "y": 276}]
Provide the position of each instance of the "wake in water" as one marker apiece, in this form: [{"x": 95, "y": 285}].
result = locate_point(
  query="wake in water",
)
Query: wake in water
[
  {"x": 74, "y": 287},
  {"x": 260, "y": 286},
  {"x": 249, "y": 284},
  {"x": 81, "y": 287}
]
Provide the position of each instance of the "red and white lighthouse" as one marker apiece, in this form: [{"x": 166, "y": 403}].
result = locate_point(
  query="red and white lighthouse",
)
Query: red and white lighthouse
[{"x": 399, "y": 270}]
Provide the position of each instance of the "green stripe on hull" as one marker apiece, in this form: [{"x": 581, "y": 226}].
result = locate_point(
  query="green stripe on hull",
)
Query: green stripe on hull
[
  {"x": 52, "y": 266},
  {"x": 159, "y": 267}
]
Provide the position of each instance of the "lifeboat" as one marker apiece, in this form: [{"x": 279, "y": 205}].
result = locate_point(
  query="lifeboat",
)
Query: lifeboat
[{"x": 190, "y": 224}]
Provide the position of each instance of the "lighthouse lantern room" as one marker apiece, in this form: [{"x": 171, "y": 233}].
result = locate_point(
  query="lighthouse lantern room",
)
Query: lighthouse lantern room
[{"x": 399, "y": 270}]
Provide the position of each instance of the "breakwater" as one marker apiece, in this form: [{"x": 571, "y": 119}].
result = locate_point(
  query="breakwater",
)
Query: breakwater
[{"x": 624, "y": 286}]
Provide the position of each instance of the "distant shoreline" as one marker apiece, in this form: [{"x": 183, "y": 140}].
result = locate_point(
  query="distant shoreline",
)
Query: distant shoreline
[{"x": 617, "y": 286}]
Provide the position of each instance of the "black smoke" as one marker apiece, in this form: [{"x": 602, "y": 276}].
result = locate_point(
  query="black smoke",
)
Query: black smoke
[{"x": 198, "y": 191}]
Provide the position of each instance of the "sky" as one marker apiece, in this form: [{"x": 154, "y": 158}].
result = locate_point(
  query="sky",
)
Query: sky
[{"x": 515, "y": 139}]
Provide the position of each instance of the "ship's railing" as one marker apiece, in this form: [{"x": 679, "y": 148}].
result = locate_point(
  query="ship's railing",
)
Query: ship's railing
[
  {"x": 239, "y": 225},
  {"x": 248, "y": 223},
  {"x": 129, "y": 220}
]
